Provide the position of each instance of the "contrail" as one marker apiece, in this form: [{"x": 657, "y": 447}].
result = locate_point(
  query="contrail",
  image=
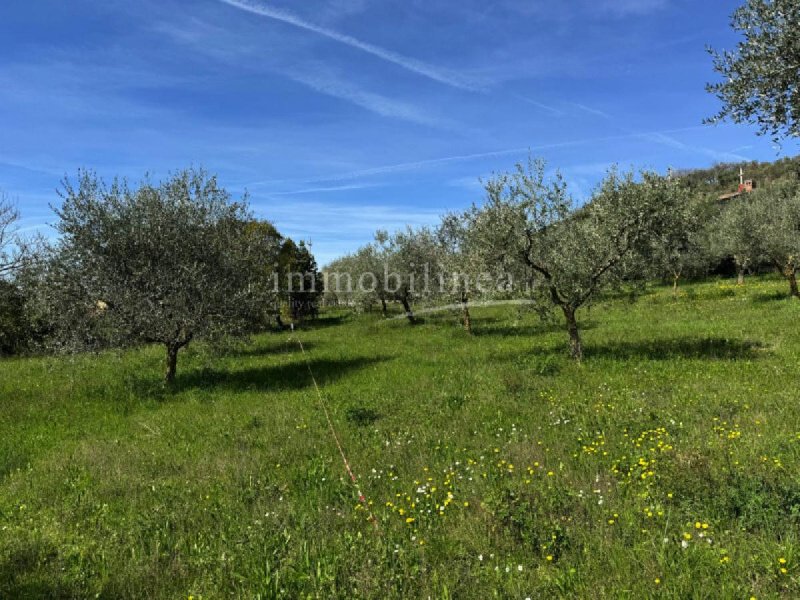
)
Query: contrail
[
  {"x": 336, "y": 188},
  {"x": 554, "y": 111},
  {"x": 326, "y": 83},
  {"x": 663, "y": 138},
  {"x": 410, "y": 166},
  {"x": 410, "y": 64}
]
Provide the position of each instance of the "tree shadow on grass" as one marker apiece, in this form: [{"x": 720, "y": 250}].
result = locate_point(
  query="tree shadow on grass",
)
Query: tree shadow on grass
[
  {"x": 767, "y": 297},
  {"x": 547, "y": 357},
  {"x": 710, "y": 348},
  {"x": 287, "y": 347},
  {"x": 323, "y": 321},
  {"x": 273, "y": 377},
  {"x": 501, "y": 328},
  {"x": 31, "y": 571}
]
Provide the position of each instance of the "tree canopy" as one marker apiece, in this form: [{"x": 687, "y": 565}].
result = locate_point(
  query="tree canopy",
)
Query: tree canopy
[
  {"x": 164, "y": 263},
  {"x": 567, "y": 253},
  {"x": 760, "y": 78}
]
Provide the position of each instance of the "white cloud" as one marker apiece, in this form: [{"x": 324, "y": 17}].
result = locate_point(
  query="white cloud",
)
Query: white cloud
[
  {"x": 325, "y": 82},
  {"x": 322, "y": 190},
  {"x": 671, "y": 142},
  {"x": 521, "y": 152},
  {"x": 592, "y": 111},
  {"x": 339, "y": 228},
  {"x": 416, "y": 66},
  {"x": 545, "y": 107}
]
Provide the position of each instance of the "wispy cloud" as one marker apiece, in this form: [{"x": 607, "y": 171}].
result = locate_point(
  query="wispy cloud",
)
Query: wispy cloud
[
  {"x": 322, "y": 217},
  {"x": 519, "y": 151},
  {"x": 415, "y": 66},
  {"x": 315, "y": 75},
  {"x": 665, "y": 139},
  {"x": 323, "y": 190},
  {"x": 595, "y": 169},
  {"x": 470, "y": 183},
  {"x": 592, "y": 111},
  {"x": 338, "y": 228},
  {"x": 325, "y": 82},
  {"x": 545, "y": 107},
  {"x": 11, "y": 163},
  {"x": 399, "y": 167}
]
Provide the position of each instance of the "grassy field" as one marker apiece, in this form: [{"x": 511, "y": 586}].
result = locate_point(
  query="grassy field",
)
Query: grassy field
[{"x": 666, "y": 465}]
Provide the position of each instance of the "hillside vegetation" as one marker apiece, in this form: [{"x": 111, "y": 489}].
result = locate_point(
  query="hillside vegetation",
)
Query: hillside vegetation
[
  {"x": 723, "y": 178},
  {"x": 663, "y": 465}
]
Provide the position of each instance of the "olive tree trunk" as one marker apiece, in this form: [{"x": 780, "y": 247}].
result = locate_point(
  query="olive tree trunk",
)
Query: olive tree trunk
[
  {"x": 575, "y": 345},
  {"x": 740, "y": 269},
  {"x": 467, "y": 320},
  {"x": 407, "y": 309},
  {"x": 675, "y": 278},
  {"x": 789, "y": 271},
  {"x": 172, "y": 362},
  {"x": 173, "y": 347},
  {"x": 793, "y": 290}
]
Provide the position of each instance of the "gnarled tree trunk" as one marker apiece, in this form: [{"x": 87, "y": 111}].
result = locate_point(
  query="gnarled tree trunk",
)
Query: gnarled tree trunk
[
  {"x": 172, "y": 357},
  {"x": 741, "y": 266},
  {"x": 407, "y": 309},
  {"x": 675, "y": 278},
  {"x": 383, "y": 308},
  {"x": 789, "y": 271},
  {"x": 792, "y": 277},
  {"x": 465, "y": 313},
  {"x": 172, "y": 362},
  {"x": 575, "y": 345}
]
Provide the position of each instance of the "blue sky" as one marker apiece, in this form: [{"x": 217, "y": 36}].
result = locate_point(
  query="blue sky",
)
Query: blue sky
[{"x": 343, "y": 116}]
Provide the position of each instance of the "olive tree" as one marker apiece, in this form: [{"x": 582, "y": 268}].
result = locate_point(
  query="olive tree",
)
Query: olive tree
[
  {"x": 455, "y": 263},
  {"x": 760, "y": 78},
  {"x": 301, "y": 279},
  {"x": 736, "y": 234},
  {"x": 162, "y": 263},
  {"x": 465, "y": 272},
  {"x": 571, "y": 253},
  {"x": 265, "y": 236},
  {"x": 778, "y": 227},
  {"x": 357, "y": 279},
  {"x": 411, "y": 267},
  {"x": 681, "y": 246}
]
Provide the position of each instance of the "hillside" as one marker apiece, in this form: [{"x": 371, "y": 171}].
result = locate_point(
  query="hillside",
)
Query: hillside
[
  {"x": 723, "y": 178},
  {"x": 665, "y": 464}
]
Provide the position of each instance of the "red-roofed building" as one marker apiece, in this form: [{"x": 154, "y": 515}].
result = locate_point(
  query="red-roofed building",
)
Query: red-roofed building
[{"x": 745, "y": 187}]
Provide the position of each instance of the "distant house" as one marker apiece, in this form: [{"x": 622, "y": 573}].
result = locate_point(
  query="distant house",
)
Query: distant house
[{"x": 745, "y": 187}]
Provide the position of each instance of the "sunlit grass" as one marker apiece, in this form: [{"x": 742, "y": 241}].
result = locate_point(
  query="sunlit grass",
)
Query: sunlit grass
[{"x": 667, "y": 463}]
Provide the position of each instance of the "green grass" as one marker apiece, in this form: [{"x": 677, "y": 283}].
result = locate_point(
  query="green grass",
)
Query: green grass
[{"x": 563, "y": 479}]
